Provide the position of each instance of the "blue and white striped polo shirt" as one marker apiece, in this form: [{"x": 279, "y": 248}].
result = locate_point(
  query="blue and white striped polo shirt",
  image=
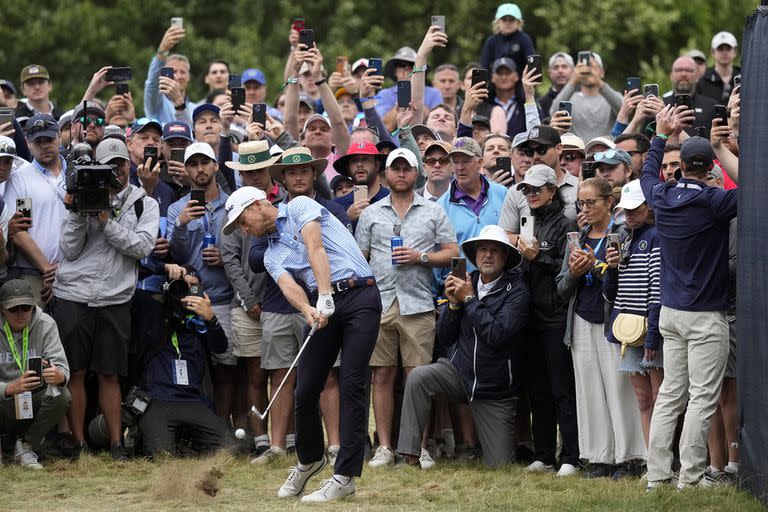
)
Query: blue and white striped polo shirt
[{"x": 287, "y": 253}]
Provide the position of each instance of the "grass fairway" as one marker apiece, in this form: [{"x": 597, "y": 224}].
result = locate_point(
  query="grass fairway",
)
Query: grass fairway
[{"x": 96, "y": 483}]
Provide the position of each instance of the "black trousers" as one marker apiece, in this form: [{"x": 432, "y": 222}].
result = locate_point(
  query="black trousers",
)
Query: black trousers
[
  {"x": 164, "y": 420},
  {"x": 353, "y": 330},
  {"x": 552, "y": 394}
]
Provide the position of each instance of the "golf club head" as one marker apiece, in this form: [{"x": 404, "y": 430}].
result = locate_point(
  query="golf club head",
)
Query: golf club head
[{"x": 255, "y": 411}]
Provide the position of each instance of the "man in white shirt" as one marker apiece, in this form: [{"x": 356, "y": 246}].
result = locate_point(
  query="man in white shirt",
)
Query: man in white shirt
[{"x": 42, "y": 181}]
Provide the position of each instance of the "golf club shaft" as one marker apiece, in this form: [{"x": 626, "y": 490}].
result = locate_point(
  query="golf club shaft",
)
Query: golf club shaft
[{"x": 263, "y": 415}]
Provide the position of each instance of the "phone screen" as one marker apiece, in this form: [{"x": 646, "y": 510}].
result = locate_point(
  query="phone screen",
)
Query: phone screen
[
  {"x": 167, "y": 72},
  {"x": 260, "y": 114},
  {"x": 238, "y": 98},
  {"x": 307, "y": 37},
  {"x": 459, "y": 268},
  {"x": 375, "y": 63},
  {"x": 150, "y": 152},
  {"x": 479, "y": 75},
  {"x": 403, "y": 93},
  {"x": 197, "y": 195},
  {"x": 35, "y": 364}
]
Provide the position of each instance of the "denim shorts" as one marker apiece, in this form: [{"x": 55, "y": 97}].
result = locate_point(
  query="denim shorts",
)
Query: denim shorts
[{"x": 634, "y": 361}]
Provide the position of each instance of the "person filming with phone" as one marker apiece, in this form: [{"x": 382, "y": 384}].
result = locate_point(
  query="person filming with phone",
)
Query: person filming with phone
[
  {"x": 484, "y": 322},
  {"x": 29, "y": 334}
]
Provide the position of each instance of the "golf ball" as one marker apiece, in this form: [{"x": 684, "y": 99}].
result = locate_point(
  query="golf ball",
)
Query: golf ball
[{"x": 240, "y": 433}]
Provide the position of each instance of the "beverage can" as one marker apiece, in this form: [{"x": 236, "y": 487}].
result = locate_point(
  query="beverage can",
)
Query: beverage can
[
  {"x": 396, "y": 241},
  {"x": 209, "y": 240}
]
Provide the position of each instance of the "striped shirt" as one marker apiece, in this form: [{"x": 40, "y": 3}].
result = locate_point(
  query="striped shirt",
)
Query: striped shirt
[
  {"x": 638, "y": 290},
  {"x": 48, "y": 212},
  {"x": 287, "y": 252}
]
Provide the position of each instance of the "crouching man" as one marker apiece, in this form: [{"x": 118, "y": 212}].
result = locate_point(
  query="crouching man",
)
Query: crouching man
[
  {"x": 29, "y": 407},
  {"x": 174, "y": 371},
  {"x": 485, "y": 317}
]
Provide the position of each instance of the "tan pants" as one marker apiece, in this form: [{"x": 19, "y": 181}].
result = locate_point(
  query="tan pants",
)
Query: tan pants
[{"x": 695, "y": 353}]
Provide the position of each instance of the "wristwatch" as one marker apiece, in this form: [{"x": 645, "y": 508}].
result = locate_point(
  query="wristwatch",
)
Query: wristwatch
[
  {"x": 468, "y": 298},
  {"x": 424, "y": 258}
]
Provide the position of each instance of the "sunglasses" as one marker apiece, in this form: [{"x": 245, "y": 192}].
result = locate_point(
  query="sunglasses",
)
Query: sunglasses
[
  {"x": 432, "y": 161},
  {"x": 588, "y": 202},
  {"x": 540, "y": 150},
  {"x": 536, "y": 191},
  {"x": 23, "y": 307},
  {"x": 606, "y": 155},
  {"x": 85, "y": 121},
  {"x": 143, "y": 122},
  {"x": 569, "y": 157}
]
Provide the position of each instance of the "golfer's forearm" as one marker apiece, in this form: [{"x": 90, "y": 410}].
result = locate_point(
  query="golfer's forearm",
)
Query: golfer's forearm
[
  {"x": 318, "y": 260},
  {"x": 293, "y": 292}
]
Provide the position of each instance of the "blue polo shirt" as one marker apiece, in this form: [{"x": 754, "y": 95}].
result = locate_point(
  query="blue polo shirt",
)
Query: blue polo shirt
[
  {"x": 287, "y": 253},
  {"x": 692, "y": 223}
]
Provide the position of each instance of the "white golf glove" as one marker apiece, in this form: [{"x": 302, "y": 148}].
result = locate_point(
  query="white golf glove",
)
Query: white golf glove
[{"x": 325, "y": 305}]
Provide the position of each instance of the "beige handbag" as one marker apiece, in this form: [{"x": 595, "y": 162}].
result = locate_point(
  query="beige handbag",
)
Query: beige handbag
[{"x": 630, "y": 330}]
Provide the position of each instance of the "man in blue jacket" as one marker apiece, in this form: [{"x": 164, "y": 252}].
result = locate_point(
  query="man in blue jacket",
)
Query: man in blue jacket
[
  {"x": 692, "y": 221},
  {"x": 173, "y": 375},
  {"x": 484, "y": 321}
]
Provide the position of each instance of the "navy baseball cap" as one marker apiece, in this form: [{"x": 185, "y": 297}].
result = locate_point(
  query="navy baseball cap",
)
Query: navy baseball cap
[
  {"x": 697, "y": 153},
  {"x": 177, "y": 130},
  {"x": 204, "y": 107},
  {"x": 504, "y": 62},
  {"x": 8, "y": 85},
  {"x": 42, "y": 125},
  {"x": 253, "y": 74}
]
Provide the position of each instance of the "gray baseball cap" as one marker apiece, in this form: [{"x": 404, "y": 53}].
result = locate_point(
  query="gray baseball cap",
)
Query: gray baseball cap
[
  {"x": 16, "y": 292},
  {"x": 538, "y": 175},
  {"x": 109, "y": 149}
]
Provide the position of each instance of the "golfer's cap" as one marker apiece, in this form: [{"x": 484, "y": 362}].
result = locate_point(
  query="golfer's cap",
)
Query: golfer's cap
[{"x": 240, "y": 199}]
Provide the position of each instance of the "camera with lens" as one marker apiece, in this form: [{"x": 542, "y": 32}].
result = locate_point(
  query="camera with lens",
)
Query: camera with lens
[
  {"x": 134, "y": 405},
  {"x": 173, "y": 293},
  {"x": 89, "y": 182}
]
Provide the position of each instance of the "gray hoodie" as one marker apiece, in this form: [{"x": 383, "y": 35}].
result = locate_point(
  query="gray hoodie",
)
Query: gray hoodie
[
  {"x": 100, "y": 264},
  {"x": 44, "y": 341}
]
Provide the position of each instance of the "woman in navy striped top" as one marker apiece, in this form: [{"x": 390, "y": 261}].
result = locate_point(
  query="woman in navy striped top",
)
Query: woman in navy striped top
[{"x": 632, "y": 285}]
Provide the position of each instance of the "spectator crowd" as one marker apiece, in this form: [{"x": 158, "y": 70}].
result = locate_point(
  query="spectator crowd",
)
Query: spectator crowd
[{"x": 498, "y": 271}]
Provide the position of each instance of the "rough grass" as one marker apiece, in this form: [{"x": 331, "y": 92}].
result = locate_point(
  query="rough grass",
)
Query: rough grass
[{"x": 97, "y": 483}]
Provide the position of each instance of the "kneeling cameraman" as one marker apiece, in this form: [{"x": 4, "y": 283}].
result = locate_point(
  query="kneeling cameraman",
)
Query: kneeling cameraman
[{"x": 173, "y": 374}]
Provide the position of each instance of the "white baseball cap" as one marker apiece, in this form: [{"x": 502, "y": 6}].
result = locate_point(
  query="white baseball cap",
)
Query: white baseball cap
[
  {"x": 199, "y": 148},
  {"x": 240, "y": 199},
  {"x": 724, "y": 38},
  {"x": 405, "y": 153},
  {"x": 631, "y": 196},
  {"x": 315, "y": 117},
  {"x": 605, "y": 141}
]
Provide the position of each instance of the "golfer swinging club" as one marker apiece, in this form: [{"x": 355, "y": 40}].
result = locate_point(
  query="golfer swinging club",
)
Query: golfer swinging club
[{"x": 307, "y": 242}]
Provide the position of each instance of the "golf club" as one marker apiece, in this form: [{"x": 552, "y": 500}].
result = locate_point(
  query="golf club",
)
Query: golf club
[{"x": 263, "y": 415}]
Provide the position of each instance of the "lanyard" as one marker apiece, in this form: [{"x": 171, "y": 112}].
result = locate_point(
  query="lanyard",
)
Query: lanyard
[
  {"x": 175, "y": 342},
  {"x": 601, "y": 266},
  {"x": 12, "y": 344},
  {"x": 607, "y": 230}
]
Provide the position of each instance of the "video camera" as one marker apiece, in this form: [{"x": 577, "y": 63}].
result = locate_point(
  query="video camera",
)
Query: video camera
[{"x": 87, "y": 181}]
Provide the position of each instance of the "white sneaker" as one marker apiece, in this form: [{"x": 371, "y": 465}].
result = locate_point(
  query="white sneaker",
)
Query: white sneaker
[
  {"x": 567, "y": 470},
  {"x": 297, "y": 479},
  {"x": 25, "y": 456},
  {"x": 333, "y": 452},
  {"x": 539, "y": 467},
  {"x": 384, "y": 457},
  {"x": 268, "y": 456},
  {"x": 426, "y": 461},
  {"x": 330, "y": 490}
]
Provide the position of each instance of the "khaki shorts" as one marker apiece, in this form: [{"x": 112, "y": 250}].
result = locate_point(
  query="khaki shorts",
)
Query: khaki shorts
[
  {"x": 283, "y": 333},
  {"x": 246, "y": 334},
  {"x": 224, "y": 316},
  {"x": 414, "y": 335}
]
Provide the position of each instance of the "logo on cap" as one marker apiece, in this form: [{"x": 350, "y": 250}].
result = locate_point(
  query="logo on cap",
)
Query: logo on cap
[
  {"x": 251, "y": 159},
  {"x": 361, "y": 145},
  {"x": 113, "y": 147},
  {"x": 459, "y": 143},
  {"x": 534, "y": 133},
  {"x": 229, "y": 208},
  {"x": 34, "y": 69},
  {"x": 296, "y": 158},
  {"x": 626, "y": 189},
  {"x": 176, "y": 128}
]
